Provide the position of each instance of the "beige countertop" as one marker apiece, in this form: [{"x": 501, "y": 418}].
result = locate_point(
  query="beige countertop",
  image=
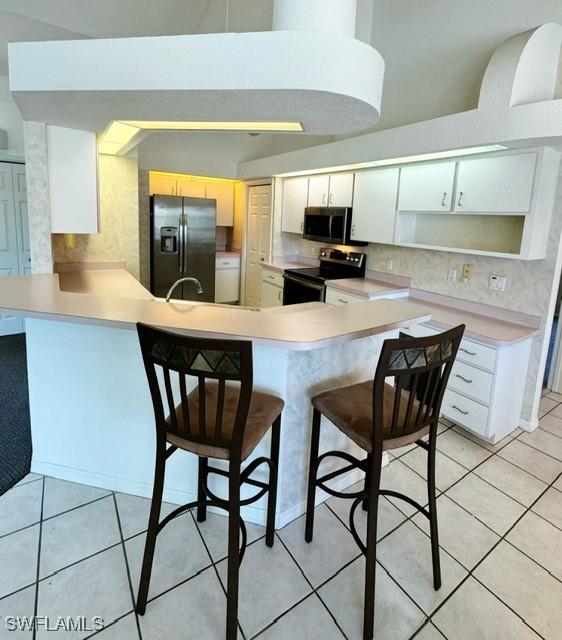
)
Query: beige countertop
[
  {"x": 228, "y": 254},
  {"x": 280, "y": 264},
  {"x": 95, "y": 302},
  {"x": 366, "y": 288}
]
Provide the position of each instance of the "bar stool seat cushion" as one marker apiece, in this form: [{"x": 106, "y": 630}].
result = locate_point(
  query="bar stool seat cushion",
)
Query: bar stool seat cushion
[
  {"x": 264, "y": 409},
  {"x": 351, "y": 410}
]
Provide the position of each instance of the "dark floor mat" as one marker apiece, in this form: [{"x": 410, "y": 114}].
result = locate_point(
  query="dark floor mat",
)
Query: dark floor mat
[{"x": 15, "y": 425}]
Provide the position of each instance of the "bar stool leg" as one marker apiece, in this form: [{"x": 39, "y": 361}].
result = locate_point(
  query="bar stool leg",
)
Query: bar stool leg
[
  {"x": 312, "y": 475},
  {"x": 432, "y": 504},
  {"x": 365, "y": 503},
  {"x": 152, "y": 532},
  {"x": 273, "y": 474},
  {"x": 371, "y": 545},
  {"x": 233, "y": 551},
  {"x": 201, "y": 484}
]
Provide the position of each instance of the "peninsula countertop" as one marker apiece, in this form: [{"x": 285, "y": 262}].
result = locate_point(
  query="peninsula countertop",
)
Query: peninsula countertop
[{"x": 95, "y": 298}]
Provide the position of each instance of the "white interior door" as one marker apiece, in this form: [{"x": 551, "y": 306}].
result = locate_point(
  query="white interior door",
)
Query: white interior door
[
  {"x": 22, "y": 220},
  {"x": 9, "y": 255},
  {"x": 258, "y": 240}
]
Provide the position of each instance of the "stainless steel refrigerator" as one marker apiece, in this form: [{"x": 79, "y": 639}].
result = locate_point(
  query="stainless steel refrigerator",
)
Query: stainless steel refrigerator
[{"x": 183, "y": 244}]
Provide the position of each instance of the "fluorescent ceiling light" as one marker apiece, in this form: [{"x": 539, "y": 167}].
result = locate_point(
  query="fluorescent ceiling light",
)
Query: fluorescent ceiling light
[
  {"x": 155, "y": 125},
  {"x": 436, "y": 155},
  {"x": 118, "y": 137}
]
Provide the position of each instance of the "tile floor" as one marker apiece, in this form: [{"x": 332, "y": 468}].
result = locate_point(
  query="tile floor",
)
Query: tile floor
[{"x": 69, "y": 550}]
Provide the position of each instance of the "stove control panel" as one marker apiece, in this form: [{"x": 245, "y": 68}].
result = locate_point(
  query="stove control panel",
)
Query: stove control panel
[{"x": 337, "y": 256}]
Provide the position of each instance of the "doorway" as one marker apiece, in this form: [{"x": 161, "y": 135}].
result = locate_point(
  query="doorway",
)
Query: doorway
[
  {"x": 14, "y": 234},
  {"x": 258, "y": 240}
]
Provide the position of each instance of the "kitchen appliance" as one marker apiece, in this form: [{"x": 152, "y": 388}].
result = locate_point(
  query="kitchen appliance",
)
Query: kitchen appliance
[
  {"x": 309, "y": 284},
  {"x": 182, "y": 244},
  {"x": 329, "y": 224}
]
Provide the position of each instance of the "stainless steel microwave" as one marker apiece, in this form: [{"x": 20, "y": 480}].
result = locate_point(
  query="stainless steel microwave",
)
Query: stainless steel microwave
[{"x": 328, "y": 224}]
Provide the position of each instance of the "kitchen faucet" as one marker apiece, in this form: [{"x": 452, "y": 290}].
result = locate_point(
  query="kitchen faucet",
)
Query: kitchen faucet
[{"x": 177, "y": 282}]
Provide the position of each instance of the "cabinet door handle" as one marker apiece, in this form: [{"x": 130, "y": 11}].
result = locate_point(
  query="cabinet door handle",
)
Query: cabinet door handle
[
  {"x": 279, "y": 295},
  {"x": 352, "y": 229},
  {"x": 330, "y": 196},
  {"x": 443, "y": 203},
  {"x": 470, "y": 353},
  {"x": 271, "y": 277},
  {"x": 343, "y": 301},
  {"x": 459, "y": 202},
  {"x": 465, "y": 413},
  {"x": 458, "y": 375},
  {"x": 302, "y": 226},
  {"x": 323, "y": 198}
]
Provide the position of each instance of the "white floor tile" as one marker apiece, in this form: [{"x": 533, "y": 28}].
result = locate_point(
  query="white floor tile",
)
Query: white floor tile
[
  {"x": 406, "y": 555},
  {"x": 430, "y": 632},
  {"x": 447, "y": 471},
  {"x": 30, "y": 477},
  {"x": 215, "y": 533},
  {"x": 543, "y": 441},
  {"x": 179, "y": 554},
  {"x": 558, "y": 484},
  {"x": 473, "y": 612},
  {"x": 396, "y": 616},
  {"x": 550, "y": 507},
  {"x": 22, "y": 605},
  {"x": 61, "y": 496},
  {"x": 270, "y": 584},
  {"x": 525, "y": 587},
  {"x": 97, "y": 586},
  {"x": 77, "y": 534},
  {"x": 331, "y": 548},
  {"x": 20, "y": 507},
  {"x": 389, "y": 517},
  {"x": 309, "y": 619},
  {"x": 461, "y": 449},
  {"x": 557, "y": 397},
  {"x": 540, "y": 540},
  {"x": 552, "y": 424},
  {"x": 489, "y": 505},
  {"x": 124, "y": 629},
  {"x": 460, "y": 533},
  {"x": 18, "y": 560},
  {"x": 195, "y": 609},
  {"x": 399, "y": 477},
  {"x": 531, "y": 460},
  {"x": 546, "y": 404},
  {"x": 511, "y": 480},
  {"x": 487, "y": 445},
  {"x": 558, "y": 410},
  {"x": 134, "y": 512}
]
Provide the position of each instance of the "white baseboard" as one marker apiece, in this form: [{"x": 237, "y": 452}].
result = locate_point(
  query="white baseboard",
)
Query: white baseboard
[{"x": 529, "y": 425}]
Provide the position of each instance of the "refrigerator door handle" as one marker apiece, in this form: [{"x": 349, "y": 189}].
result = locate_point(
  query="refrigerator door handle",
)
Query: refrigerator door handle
[
  {"x": 180, "y": 245},
  {"x": 185, "y": 244}
]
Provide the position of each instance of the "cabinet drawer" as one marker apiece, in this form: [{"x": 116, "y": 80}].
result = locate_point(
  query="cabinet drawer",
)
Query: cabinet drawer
[
  {"x": 465, "y": 412},
  {"x": 477, "y": 354},
  {"x": 227, "y": 263},
  {"x": 471, "y": 381},
  {"x": 272, "y": 277},
  {"x": 333, "y": 296}
]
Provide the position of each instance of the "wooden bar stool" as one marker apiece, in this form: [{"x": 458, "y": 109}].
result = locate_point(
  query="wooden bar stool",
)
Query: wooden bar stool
[
  {"x": 223, "y": 418},
  {"x": 379, "y": 416}
]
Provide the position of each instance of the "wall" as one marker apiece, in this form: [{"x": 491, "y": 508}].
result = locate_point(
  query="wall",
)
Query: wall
[
  {"x": 531, "y": 286},
  {"x": 10, "y": 120},
  {"x": 119, "y": 219}
]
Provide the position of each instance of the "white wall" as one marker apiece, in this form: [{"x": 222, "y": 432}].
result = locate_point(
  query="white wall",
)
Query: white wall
[
  {"x": 214, "y": 153},
  {"x": 10, "y": 120}
]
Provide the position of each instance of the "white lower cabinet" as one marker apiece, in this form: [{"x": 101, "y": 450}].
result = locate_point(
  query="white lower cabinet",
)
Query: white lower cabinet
[
  {"x": 227, "y": 279},
  {"x": 271, "y": 288},
  {"x": 486, "y": 386},
  {"x": 334, "y": 296}
]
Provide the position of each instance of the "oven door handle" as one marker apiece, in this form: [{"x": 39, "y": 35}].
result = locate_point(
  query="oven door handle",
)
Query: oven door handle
[{"x": 304, "y": 283}]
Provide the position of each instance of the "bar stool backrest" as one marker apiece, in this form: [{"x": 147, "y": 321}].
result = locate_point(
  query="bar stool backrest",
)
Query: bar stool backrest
[
  {"x": 419, "y": 369},
  {"x": 209, "y": 361}
]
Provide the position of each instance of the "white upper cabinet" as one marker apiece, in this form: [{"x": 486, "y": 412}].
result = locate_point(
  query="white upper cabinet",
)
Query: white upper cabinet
[
  {"x": 341, "y": 190},
  {"x": 223, "y": 193},
  {"x": 374, "y": 205},
  {"x": 318, "y": 191},
  {"x": 295, "y": 198},
  {"x": 335, "y": 190},
  {"x": 502, "y": 184},
  {"x": 73, "y": 180},
  {"x": 427, "y": 187}
]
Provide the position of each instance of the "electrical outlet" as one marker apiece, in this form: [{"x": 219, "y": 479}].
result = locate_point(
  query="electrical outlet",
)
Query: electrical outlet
[
  {"x": 496, "y": 283},
  {"x": 389, "y": 265},
  {"x": 466, "y": 272},
  {"x": 453, "y": 275}
]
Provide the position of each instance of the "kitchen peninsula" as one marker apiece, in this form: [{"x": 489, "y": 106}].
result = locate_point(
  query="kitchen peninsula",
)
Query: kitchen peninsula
[{"x": 91, "y": 414}]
